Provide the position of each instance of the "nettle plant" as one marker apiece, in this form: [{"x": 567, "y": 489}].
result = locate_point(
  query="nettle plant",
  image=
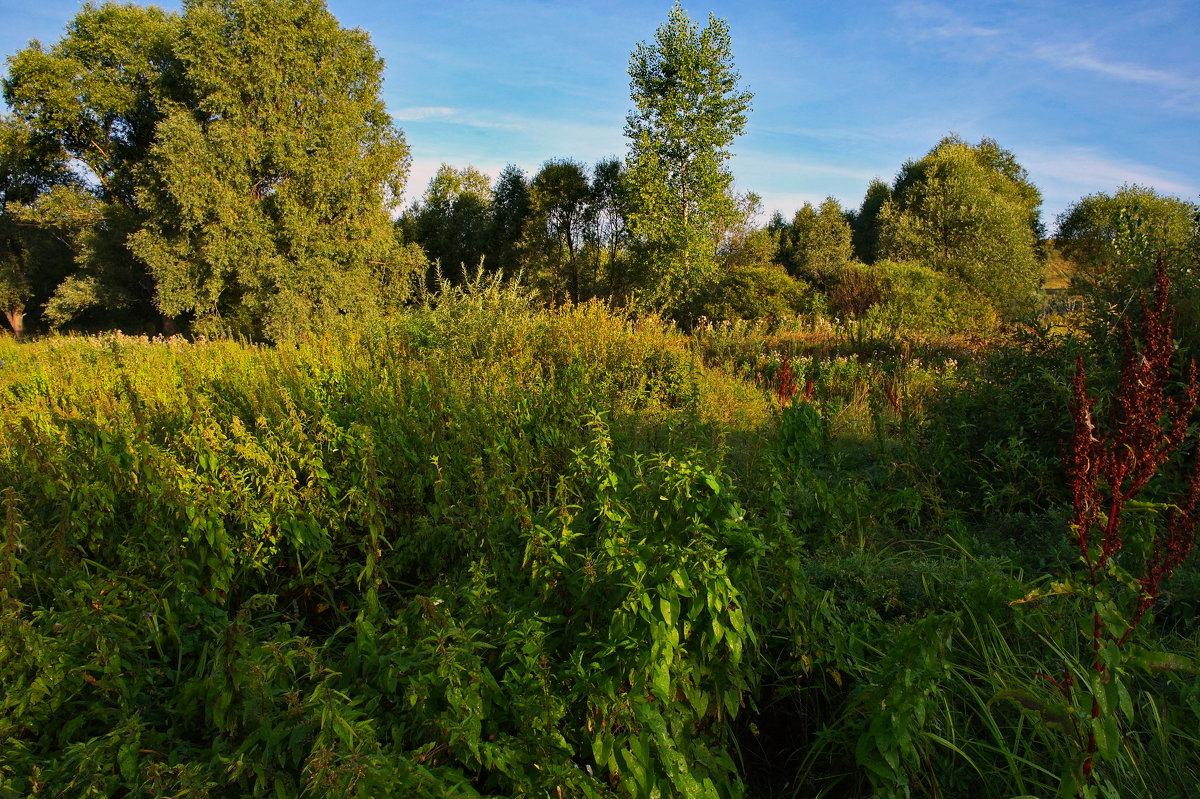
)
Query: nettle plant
[{"x": 1128, "y": 543}]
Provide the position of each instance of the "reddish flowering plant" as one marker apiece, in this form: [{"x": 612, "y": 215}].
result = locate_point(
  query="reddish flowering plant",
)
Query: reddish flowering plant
[
  {"x": 788, "y": 389},
  {"x": 787, "y": 382},
  {"x": 1109, "y": 463},
  {"x": 1109, "y": 467}
]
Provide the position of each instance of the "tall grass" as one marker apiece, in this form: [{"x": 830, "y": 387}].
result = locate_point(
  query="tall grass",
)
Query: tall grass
[{"x": 490, "y": 549}]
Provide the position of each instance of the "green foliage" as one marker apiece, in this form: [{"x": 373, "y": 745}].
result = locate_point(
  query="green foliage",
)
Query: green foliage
[
  {"x": 99, "y": 92},
  {"x": 815, "y": 246},
  {"x": 608, "y": 225},
  {"x": 1105, "y": 236},
  {"x": 98, "y": 95},
  {"x": 490, "y": 550},
  {"x": 865, "y": 223},
  {"x": 453, "y": 220},
  {"x": 32, "y": 258},
  {"x": 749, "y": 285},
  {"x": 754, "y": 291},
  {"x": 510, "y": 207},
  {"x": 688, "y": 110},
  {"x": 270, "y": 183},
  {"x": 967, "y": 212},
  {"x": 371, "y": 567},
  {"x": 556, "y": 231},
  {"x": 1112, "y": 242},
  {"x": 452, "y": 543},
  {"x": 914, "y": 298},
  {"x": 241, "y": 175},
  {"x": 998, "y": 438}
]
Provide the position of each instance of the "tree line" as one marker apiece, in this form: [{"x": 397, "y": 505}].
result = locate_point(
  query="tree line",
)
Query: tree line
[{"x": 231, "y": 169}]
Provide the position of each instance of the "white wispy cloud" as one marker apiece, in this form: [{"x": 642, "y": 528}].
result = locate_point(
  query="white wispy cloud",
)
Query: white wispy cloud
[
  {"x": 937, "y": 21},
  {"x": 797, "y": 170},
  {"x": 446, "y": 115},
  {"x": 1083, "y": 168},
  {"x": 1084, "y": 58},
  {"x": 421, "y": 113},
  {"x": 1065, "y": 175}
]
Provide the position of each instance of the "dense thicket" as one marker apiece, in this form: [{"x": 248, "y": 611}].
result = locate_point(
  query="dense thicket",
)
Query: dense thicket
[
  {"x": 501, "y": 551},
  {"x": 562, "y": 522}
]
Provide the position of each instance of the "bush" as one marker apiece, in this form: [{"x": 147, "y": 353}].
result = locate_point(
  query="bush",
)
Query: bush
[
  {"x": 761, "y": 291},
  {"x": 918, "y": 299}
]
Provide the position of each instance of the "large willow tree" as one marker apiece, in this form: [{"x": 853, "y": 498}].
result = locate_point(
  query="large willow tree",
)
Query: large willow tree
[
  {"x": 241, "y": 164},
  {"x": 267, "y": 211},
  {"x": 97, "y": 95},
  {"x": 688, "y": 110}
]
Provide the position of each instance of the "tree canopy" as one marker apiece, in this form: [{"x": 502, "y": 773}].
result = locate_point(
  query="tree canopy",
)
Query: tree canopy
[
  {"x": 1105, "y": 234},
  {"x": 687, "y": 111},
  {"x": 33, "y": 257},
  {"x": 270, "y": 186},
  {"x": 242, "y": 160},
  {"x": 453, "y": 220},
  {"x": 968, "y": 212},
  {"x": 815, "y": 246},
  {"x": 99, "y": 94},
  {"x": 557, "y": 227}
]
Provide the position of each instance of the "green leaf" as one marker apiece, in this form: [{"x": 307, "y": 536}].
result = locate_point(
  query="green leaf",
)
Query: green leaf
[
  {"x": 661, "y": 681},
  {"x": 602, "y": 749},
  {"x": 1108, "y": 736},
  {"x": 1163, "y": 661},
  {"x": 127, "y": 759},
  {"x": 737, "y": 620},
  {"x": 665, "y": 607}
]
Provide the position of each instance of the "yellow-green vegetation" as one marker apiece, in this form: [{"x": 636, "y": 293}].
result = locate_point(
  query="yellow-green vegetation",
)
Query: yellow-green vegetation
[
  {"x": 581, "y": 484},
  {"x": 496, "y": 550}
]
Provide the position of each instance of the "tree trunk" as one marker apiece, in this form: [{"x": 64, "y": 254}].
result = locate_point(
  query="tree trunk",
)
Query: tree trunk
[
  {"x": 168, "y": 325},
  {"x": 16, "y": 320}
]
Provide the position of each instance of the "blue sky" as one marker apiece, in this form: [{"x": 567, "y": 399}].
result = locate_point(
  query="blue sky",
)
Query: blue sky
[{"x": 1087, "y": 95}]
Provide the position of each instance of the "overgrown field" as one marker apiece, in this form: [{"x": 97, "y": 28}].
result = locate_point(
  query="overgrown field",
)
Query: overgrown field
[{"x": 501, "y": 551}]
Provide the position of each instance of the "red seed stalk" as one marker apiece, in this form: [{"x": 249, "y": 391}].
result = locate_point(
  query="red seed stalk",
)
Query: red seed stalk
[
  {"x": 1109, "y": 464},
  {"x": 787, "y": 382}
]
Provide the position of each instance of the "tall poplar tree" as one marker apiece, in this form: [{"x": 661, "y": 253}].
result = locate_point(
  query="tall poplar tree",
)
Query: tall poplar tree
[{"x": 688, "y": 109}]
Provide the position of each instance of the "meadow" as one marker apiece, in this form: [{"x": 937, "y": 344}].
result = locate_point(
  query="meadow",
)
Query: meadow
[{"x": 490, "y": 549}]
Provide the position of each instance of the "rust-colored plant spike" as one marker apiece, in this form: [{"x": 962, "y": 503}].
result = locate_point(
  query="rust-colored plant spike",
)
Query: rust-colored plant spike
[
  {"x": 788, "y": 389},
  {"x": 1108, "y": 464},
  {"x": 787, "y": 382}
]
